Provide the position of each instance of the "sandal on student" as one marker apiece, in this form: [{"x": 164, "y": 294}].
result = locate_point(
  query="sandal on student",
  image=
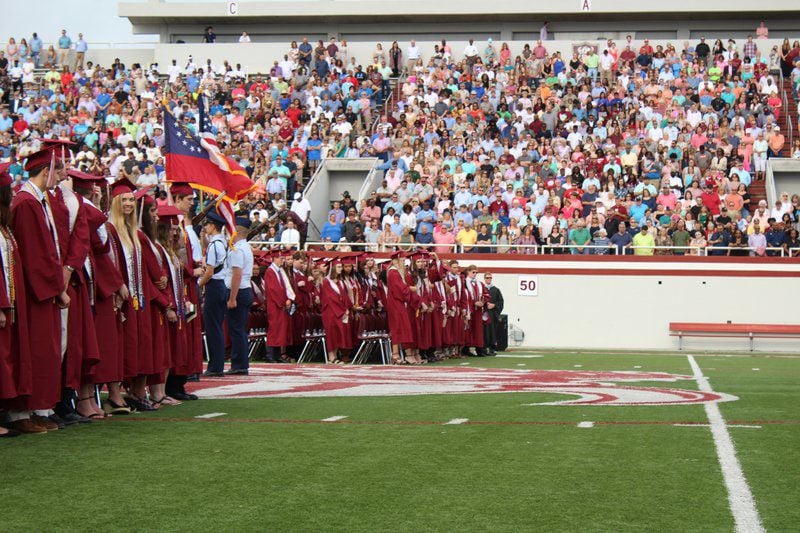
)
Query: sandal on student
[
  {"x": 94, "y": 414},
  {"x": 166, "y": 400},
  {"x": 113, "y": 408}
]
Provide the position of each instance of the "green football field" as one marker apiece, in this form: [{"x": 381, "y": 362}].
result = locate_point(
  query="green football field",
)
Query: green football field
[{"x": 432, "y": 462}]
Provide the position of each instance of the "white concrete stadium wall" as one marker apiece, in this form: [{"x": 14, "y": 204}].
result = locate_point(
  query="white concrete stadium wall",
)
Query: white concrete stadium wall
[{"x": 587, "y": 309}]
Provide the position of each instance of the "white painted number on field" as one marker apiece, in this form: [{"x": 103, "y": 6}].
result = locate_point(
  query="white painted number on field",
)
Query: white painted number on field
[
  {"x": 528, "y": 286},
  {"x": 586, "y": 424},
  {"x": 211, "y": 415}
]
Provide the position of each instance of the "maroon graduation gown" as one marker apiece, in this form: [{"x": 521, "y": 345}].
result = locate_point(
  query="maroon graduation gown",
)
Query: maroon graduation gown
[
  {"x": 398, "y": 297},
  {"x": 106, "y": 281},
  {"x": 44, "y": 281},
  {"x": 153, "y": 331},
  {"x": 131, "y": 346},
  {"x": 193, "y": 331},
  {"x": 335, "y": 303},
  {"x": 279, "y": 322},
  {"x": 175, "y": 330},
  {"x": 82, "y": 350},
  {"x": 15, "y": 352}
]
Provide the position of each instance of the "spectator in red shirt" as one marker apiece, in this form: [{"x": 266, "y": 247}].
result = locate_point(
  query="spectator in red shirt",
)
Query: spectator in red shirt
[
  {"x": 711, "y": 201},
  {"x": 498, "y": 204}
]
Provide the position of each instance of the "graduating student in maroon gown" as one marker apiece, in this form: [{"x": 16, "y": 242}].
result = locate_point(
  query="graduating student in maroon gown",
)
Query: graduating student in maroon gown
[
  {"x": 280, "y": 300},
  {"x": 15, "y": 353},
  {"x": 353, "y": 291},
  {"x": 460, "y": 306},
  {"x": 102, "y": 283},
  {"x": 475, "y": 297},
  {"x": 125, "y": 245},
  {"x": 183, "y": 197},
  {"x": 35, "y": 231},
  {"x": 82, "y": 351},
  {"x": 158, "y": 312},
  {"x": 169, "y": 244},
  {"x": 437, "y": 271},
  {"x": 302, "y": 286},
  {"x": 397, "y": 300},
  {"x": 335, "y": 312}
]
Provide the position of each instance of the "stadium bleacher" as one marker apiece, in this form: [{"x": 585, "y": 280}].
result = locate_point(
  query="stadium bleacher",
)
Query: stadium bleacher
[{"x": 501, "y": 124}]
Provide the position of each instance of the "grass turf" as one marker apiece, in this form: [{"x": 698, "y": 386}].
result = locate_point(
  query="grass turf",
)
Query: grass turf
[{"x": 148, "y": 473}]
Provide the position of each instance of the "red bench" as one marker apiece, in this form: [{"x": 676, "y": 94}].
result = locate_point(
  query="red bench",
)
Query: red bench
[{"x": 749, "y": 331}]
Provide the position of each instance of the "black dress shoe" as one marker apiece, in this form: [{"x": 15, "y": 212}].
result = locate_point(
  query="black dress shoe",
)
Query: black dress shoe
[
  {"x": 57, "y": 420},
  {"x": 239, "y": 372},
  {"x": 189, "y": 395},
  {"x": 74, "y": 418},
  {"x": 182, "y": 396},
  {"x": 193, "y": 377},
  {"x": 210, "y": 374}
]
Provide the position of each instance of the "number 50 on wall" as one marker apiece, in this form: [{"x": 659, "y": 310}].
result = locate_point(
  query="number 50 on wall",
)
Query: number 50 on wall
[{"x": 528, "y": 286}]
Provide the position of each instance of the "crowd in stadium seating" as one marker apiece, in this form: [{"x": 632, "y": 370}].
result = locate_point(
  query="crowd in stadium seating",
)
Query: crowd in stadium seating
[{"x": 482, "y": 150}]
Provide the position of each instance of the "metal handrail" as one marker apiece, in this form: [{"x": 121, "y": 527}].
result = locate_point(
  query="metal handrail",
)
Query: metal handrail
[
  {"x": 748, "y": 248},
  {"x": 276, "y": 244},
  {"x": 496, "y": 246},
  {"x": 377, "y": 247},
  {"x": 538, "y": 249},
  {"x": 673, "y": 248},
  {"x": 785, "y": 110},
  {"x": 362, "y": 193},
  {"x": 546, "y": 247}
]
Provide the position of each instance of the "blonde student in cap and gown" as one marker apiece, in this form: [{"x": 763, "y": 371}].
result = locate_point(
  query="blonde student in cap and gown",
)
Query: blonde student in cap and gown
[
  {"x": 123, "y": 238},
  {"x": 216, "y": 295},
  {"x": 240, "y": 296},
  {"x": 45, "y": 292},
  {"x": 15, "y": 353}
]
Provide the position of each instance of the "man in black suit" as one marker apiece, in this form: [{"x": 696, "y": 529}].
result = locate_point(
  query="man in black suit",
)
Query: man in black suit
[{"x": 494, "y": 307}]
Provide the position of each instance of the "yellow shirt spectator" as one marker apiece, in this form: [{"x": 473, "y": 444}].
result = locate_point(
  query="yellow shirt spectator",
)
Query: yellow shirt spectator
[
  {"x": 643, "y": 238},
  {"x": 467, "y": 238}
]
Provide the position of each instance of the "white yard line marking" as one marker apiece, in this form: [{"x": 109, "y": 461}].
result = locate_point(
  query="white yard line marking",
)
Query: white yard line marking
[
  {"x": 709, "y": 425},
  {"x": 756, "y": 369},
  {"x": 211, "y": 415},
  {"x": 577, "y": 366},
  {"x": 464, "y": 364},
  {"x": 516, "y": 356},
  {"x": 740, "y": 499},
  {"x": 520, "y": 364},
  {"x": 586, "y": 424},
  {"x": 456, "y": 421},
  {"x": 638, "y": 366},
  {"x": 334, "y": 419}
]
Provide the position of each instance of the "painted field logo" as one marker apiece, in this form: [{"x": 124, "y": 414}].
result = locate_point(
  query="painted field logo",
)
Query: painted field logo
[{"x": 591, "y": 388}]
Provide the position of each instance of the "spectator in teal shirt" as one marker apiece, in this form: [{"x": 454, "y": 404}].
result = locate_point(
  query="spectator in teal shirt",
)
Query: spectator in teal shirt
[
  {"x": 579, "y": 237},
  {"x": 64, "y": 44}
]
